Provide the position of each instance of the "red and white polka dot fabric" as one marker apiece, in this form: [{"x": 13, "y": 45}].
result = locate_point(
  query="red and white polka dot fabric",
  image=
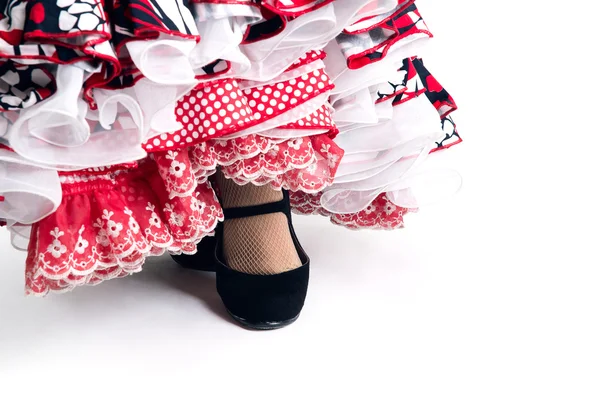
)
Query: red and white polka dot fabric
[
  {"x": 214, "y": 110},
  {"x": 221, "y": 108},
  {"x": 224, "y": 126}
]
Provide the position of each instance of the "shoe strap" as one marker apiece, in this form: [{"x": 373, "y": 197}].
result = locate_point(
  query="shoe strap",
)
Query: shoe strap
[{"x": 282, "y": 206}]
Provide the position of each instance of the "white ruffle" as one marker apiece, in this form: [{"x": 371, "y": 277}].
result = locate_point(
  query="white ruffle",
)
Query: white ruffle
[
  {"x": 242, "y": 15},
  {"x": 306, "y": 30},
  {"x": 392, "y": 158},
  {"x": 348, "y": 81},
  {"x": 165, "y": 60},
  {"x": 286, "y": 76},
  {"x": 351, "y": 197},
  {"x": 19, "y": 236},
  {"x": 410, "y": 120},
  {"x": 369, "y": 9},
  {"x": 272, "y": 56},
  {"x": 157, "y": 103},
  {"x": 56, "y": 133},
  {"x": 170, "y": 60},
  {"x": 59, "y": 120},
  {"x": 30, "y": 193},
  {"x": 293, "y": 133},
  {"x": 220, "y": 40},
  {"x": 431, "y": 182},
  {"x": 359, "y": 109}
]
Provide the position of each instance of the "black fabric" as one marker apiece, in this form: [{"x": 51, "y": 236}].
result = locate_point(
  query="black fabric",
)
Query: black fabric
[
  {"x": 263, "y": 299},
  {"x": 270, "y": 208},
  {"x": 203, "y": 260}
]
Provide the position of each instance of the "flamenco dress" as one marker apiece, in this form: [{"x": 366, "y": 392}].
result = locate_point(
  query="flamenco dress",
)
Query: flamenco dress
[{"x": 117, "y": 114}]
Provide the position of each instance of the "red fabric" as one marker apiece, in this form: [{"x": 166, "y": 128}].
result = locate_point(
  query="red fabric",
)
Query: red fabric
[
  {"x": 380, "y": 214},
  {"x": 107, "y": 225},
  {"x": 221, "y": 108}
]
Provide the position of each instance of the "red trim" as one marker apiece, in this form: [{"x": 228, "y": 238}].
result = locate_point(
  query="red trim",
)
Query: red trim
[
  {"x": 154, "y": 29},
  {"x": 358, "y": 60},
  {"x": 151, "y": 32},
  {"x": 411, "y": 95},
  {"x": 368, "y": 28},
  {"x": 391, "y": 96},
  {"x": 209, "y": 76},
  {"x": 49, "y": 38},
  {"x": 453, "y": 107},
  {"x": 281, "y": 10},
  {"x": 273, "y": 34},
  {"x": 446, "y": 146},
  {"x": 42, "y": 58},
  {"x": 236, "y": 2}
]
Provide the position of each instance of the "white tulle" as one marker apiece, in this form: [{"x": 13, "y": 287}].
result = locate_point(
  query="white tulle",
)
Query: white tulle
[
  {"x": 219, "y": 37},
  {"x": 351, "y": 108},
  {"x": 59, "y": 120},
  {"x": 355, "y": 196},
  {"x": 19, "y": 236},
  {"x": 355, "y": 164},
  {"x": 30, "y": 193},
  {"x": 286, "y": 76},
  {"x": 222, "y": 28},
  {"x": 56, "y": 132},
  {"x": 367, "y": 23},
  {"x": 410, "y": 120},
  {"x": 158, "y": 103},
  {"x": 170, "y": 60},
  {"x": 272, "y": 56},
  {"x": 383, "y": 113},
  {"x": 305, "y": 30},
  {"x": 165, "y": 60},
  {"x": 242, "y": 14},
  {"x": 111, "y": 107},
  {"x": 388, "y": 151},
  {"x": 293, "y": 133},
  {"x": 371, "y": 8}
]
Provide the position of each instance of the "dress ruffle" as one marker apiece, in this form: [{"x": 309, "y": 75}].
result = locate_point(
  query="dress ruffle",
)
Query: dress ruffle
[
  {"x": 107, "y": 224},
  {"x": 115, "y": 115},
  {"x": 303, "y": 163},
  {"x": 279, "y": 133},
  {"x": 389, "y": 121},
  {"x": 380, "y": 214}
]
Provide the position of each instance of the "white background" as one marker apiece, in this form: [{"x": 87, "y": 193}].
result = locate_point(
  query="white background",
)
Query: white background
[{"x": 494, "y": 294}]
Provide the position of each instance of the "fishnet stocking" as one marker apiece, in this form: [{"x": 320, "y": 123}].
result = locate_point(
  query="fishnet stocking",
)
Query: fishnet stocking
[{"x": 260, "y": 245}]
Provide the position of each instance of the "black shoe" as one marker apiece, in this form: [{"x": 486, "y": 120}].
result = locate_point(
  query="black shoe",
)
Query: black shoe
[
  {"x": 203, "y": 260},
  {"x": 262, "y": 301}
]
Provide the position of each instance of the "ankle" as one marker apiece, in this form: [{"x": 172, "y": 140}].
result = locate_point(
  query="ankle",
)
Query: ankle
[{"x": 234, "y": 195}]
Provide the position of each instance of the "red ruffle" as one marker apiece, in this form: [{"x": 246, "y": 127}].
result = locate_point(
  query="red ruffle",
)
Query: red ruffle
[
  {"x": 380, "y": 214},
  {"x": 107, "y": 225}
]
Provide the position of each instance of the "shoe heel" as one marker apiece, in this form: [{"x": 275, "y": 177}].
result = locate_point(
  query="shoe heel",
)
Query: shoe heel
[{"x": 203, "y": 260}]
